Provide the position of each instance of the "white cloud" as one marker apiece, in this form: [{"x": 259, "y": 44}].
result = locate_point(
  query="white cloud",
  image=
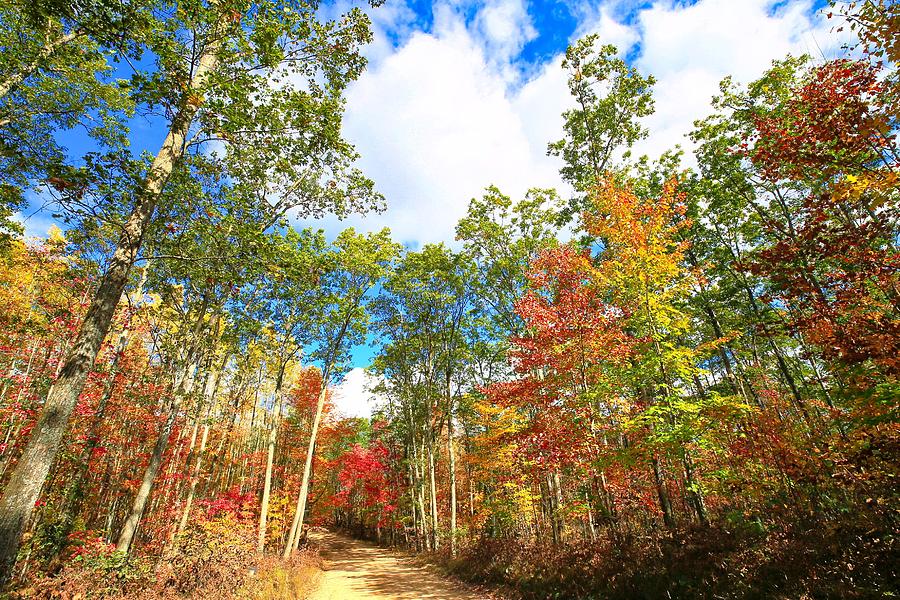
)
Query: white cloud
[
  {"x": 436, "y": 123},
  {"x": 540, "y": 103},
  {"x": 505, "y": 27},
  {"x": 598, "y": 19},
  {"x": 690, "y": 49},
  {"x": 391, "y": 20},
  {"x": 353, "y": 396},
  {"x": 726, "y": 37},
  {"x": 447, "y": 112}
]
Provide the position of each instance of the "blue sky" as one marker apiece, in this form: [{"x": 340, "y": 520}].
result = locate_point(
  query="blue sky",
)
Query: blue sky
[{"x": 460, "y": 95}]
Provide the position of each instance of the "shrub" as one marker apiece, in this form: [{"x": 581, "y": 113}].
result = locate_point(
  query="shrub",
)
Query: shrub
[
  {"x": 96, "y": 569},
  {"x": 853, "y": 558},
  {"x": 278, "y": 579},
  {"x": 215, "y": 555}
]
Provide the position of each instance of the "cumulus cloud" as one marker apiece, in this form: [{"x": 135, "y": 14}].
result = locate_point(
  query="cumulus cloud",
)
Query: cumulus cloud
[
  {"x": 599, "y": 20},
  {"x": 504, "y": 27},
  {"x": 391, "y": 21},
  {"x": 353, "y": 396},
  {"x": 436, "y": 122},
  {"x": 690, "y": 49},
  {"x": 445, "y": 112}
]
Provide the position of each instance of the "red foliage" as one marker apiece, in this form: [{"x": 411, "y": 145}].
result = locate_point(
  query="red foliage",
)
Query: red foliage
[
  {"x": 837, "y": 267},
  {"x": 365, "y": 479},
  {"x": 573, "y": 335},
  {"x": 831, "y": 124},
  {"x": 242, "y": 507}
]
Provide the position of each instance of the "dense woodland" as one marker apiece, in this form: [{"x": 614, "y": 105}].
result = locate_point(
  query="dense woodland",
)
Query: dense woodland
[{"x": 664, "y": 382}]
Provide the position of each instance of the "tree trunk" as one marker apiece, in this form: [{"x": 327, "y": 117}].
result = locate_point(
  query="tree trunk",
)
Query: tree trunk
[
  {"x": 73, "y": 495},
  {"x": 695, "y": 494},
  {"x": 297, "y": 525},
  {"x": 196, "y": 475},
  {"x": 270, "y": 459},
  {"x": 435, "y": 535},
  {"x": 214, "y": 475},
  {"x": 209, "y": 399},
  {"x": 551, "y": 508},
  {"x": 423, "y": 519},
  {"x": 412, "y": 496},
  {"x": 24, "y": 486},
  {"x": 183, "y": 388},
  {"x": 664, "y": 503},
  {"x": 452, "y": 466},
  {"x": 558, "y": 498},
  {"x": 126, "y": 537},
  {"x": 418, "y": 495},
  {"x": 209, "y": 396}
]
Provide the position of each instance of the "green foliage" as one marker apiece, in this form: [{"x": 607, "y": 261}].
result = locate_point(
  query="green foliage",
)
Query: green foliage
[
  {"x": 612, "y": 97},
  {"x": 698, "y": 398},
  {"x": 356, "y": 263},
  {"x": 53, "y": 77}
]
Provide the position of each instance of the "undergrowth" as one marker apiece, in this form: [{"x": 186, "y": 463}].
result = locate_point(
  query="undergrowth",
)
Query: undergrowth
[
  {"x": 852, "y": 558},
  {"x": 214, "y": 559}
]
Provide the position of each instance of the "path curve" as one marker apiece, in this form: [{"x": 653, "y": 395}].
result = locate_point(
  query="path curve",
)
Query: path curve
[{"x": 356, "y": 569}]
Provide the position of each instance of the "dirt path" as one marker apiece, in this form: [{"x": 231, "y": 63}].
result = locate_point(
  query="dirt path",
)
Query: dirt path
[{"x": 355, "y": 569}]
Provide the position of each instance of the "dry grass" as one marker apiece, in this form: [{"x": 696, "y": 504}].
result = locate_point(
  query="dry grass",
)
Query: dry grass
[
  {"x": 267, "y": 578},
  {"x": 292, "y": 579}
]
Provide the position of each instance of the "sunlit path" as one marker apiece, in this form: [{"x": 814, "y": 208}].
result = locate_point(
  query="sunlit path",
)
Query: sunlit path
[{"x": 355, "y": 569}]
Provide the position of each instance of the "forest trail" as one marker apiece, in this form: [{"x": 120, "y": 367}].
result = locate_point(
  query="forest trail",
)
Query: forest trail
[{"x": 356, "y": 569}]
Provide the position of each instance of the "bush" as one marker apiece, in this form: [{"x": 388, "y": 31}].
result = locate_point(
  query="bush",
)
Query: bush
[
  {"x": 214, "y": 557},
  {"x": 211, "y": 556},
  {"x": 95, "y": 569},
  {"x": 216, "y": 554},
  {"x": 854, "y": 558},
  {"x": 293, "y": 578}
]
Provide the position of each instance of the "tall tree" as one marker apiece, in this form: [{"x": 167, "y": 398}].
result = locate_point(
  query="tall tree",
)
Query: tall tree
[
  {"x": 219, "y": 73},
  {"x": 300, "y": 267},
  {"x": 358, "y": 262},
  {"x": 611, "y": 98}
]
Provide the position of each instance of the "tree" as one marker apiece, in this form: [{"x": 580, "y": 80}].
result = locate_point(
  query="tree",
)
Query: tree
[
  {"x": 574, "y": 349},
  {"x": 295, "y": 286},
  {"x": 503, "y": 237},
  {"x": 54, "y": 77},
  {"x": 611, "y": 97},
  {"x": 209, "y": 62},
  {"x": 642, "y": 264},
  {"x": 425, "y": 311},
  {"x": 834, "y": 136},
  {"x": 356, "y": 264}
]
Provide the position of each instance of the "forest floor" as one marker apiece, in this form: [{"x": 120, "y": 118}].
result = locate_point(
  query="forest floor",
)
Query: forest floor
[{"x": 356, "y": 569}]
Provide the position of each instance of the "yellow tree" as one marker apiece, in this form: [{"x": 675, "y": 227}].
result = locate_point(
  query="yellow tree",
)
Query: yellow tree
[{"x": 642, "y": 268}]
